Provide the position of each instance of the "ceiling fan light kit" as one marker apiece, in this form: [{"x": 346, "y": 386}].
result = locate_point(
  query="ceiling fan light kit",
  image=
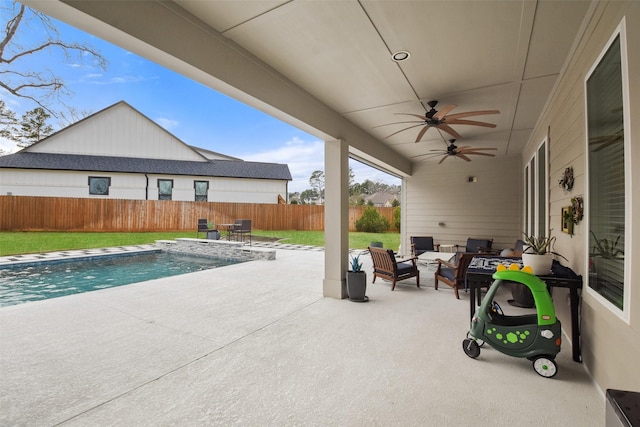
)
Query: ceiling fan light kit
[{"x": 441, "y": 120}]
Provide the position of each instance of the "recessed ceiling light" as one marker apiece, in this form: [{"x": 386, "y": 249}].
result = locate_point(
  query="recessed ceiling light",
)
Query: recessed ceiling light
[{"x": 401, "y": 55}]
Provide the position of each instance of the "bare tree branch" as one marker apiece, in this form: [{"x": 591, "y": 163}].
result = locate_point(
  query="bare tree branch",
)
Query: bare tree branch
[{"x": 38, "y": 86}]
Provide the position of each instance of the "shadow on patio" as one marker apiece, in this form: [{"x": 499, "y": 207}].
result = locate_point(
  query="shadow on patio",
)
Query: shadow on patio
[{"x": 257, "y": 344}]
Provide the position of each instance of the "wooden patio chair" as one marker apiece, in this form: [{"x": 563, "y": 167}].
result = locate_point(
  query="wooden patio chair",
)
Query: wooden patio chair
[
  {"x": 386, "y": 266},
  {"x": 453, "y": 274}
]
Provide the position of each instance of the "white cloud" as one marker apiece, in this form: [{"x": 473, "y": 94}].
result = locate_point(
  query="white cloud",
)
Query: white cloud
[
  {"x": 168, "y": 124},
  {"x": 7, "y": 146},
  {"x": 115, "y": 80},
  {"x": 305, "y": 157}
]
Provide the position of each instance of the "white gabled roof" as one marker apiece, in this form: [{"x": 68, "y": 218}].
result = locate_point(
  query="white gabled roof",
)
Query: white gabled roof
[{"x": 120, "y": 131}]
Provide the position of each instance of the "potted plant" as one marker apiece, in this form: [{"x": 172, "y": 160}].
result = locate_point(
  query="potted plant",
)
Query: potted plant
[
  {"x": 538, "y": 253},
  {"x": 606, "y": 249},
  {"x": 356, "y": 281},
  {"x": 212, "y": 233}
]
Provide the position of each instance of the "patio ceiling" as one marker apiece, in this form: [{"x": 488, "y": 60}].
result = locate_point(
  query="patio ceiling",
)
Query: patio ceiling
[{"x": 480, "y": 55}]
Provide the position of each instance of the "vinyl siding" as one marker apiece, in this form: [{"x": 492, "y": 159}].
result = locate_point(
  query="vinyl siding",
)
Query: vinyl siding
[
  {"x": 119, "y": 131},
  {"x": 490, "y": 208},
  {"x": 610, "y": 344}
]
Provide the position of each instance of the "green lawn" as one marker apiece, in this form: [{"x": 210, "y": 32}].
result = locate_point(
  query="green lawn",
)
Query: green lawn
[{"x": 12, "y": 243}]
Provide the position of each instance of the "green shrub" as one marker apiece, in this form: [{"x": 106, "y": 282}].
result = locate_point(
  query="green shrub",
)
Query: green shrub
[
  {"x": 396, "y": 217},
  {"x": 372, "y": 222}
]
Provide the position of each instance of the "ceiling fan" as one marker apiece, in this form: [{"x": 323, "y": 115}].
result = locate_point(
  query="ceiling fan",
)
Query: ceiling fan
[
  {"x": 454, "y": 151},
  {"x": 442, "y": 120}
]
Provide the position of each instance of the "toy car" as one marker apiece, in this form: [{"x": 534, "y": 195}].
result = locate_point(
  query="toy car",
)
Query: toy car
[{"x": 534, "y": 336}]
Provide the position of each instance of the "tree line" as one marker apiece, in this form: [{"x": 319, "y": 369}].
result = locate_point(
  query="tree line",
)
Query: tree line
[{"x": 359, "y": 193}]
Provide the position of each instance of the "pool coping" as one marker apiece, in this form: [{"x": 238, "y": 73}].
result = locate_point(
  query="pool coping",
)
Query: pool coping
[{"x": 10, "y": 261}]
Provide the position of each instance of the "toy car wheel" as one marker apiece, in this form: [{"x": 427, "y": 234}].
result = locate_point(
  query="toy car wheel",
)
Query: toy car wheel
[
  {"x": 471, "y": 348},
  {"x": 477, "y": 340},
  {"x": 545, "y": 366}
]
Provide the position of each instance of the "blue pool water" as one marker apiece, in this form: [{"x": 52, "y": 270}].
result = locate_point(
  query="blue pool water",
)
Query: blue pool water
[{"x": 55, "y": 279}]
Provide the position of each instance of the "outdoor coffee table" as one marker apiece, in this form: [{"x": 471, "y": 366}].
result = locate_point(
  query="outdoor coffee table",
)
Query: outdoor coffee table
[
  {"x": 228, "y": 227},
  {"x": 429, "y": 258}
]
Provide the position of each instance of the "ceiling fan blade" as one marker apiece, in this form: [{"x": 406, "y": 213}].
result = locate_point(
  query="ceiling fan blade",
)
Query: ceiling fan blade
[
  {"x": 462, "y": 156},
  {"x": 397, "y": 123},
  {"x": 409, "y": 114},
  {"x": 402, "y": 130},
  {"x": 605, "y": 144},
  {"x": 470, "y": 149},
  {"x": 421, "y": 133},
  {"x": 480, "y": 154},
  {"x": 449, "y": 130},
  {"x": 443, "y": 111},
  {"x": 470, "y": 122},
  {"x": 606, "y": 140},
  {"x": 425, "y": 155},
  {"x": 443, "y": 158},
  {"x": 472, "y": 113}
]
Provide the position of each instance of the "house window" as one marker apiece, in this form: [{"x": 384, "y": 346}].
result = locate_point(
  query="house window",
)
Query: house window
[
  {"x": 535, "y": 193},
  {"x": 165, "y": 189},
  {"x": 201, "y": 189},
  {"x": 99, "y": 185},
  {"x": 606, "y": 204}
]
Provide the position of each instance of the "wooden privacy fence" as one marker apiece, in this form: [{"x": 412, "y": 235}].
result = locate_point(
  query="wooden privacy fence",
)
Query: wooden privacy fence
[{"x": 22, "y": 213}]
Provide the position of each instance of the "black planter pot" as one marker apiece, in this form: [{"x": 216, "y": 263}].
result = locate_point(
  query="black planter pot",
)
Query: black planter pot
[{"x": 357, "y": 286}]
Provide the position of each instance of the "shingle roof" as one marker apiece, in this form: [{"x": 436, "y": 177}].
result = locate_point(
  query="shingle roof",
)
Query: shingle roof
[{"x": 213, "y": 168}]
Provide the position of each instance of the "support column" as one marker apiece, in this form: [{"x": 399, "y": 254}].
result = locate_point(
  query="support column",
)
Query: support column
[{"x": 336, "y": 218}]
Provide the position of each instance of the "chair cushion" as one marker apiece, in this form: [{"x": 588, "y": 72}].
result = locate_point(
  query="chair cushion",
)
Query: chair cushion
[
  {"x": 423, "y": 243},
  {"x": 474, "y": 244},
  {"x": 447, "y": 272},
  {"x": 405, "y": 267}
]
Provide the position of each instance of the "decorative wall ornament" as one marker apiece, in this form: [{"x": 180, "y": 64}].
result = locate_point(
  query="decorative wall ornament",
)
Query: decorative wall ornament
[
  {"x": 566, "y": 181},
  {"x": 577, "y": 207},
  {"x": 572, "y": 215}
]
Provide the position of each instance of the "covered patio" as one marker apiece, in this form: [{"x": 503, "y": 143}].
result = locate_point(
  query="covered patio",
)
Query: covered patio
[
  {"x": 329, "y": 68},
  {"x": 241, "y": 346}
]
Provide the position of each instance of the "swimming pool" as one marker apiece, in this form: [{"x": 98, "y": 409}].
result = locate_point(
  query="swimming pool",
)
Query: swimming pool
[{"x": 38, "y": 281}]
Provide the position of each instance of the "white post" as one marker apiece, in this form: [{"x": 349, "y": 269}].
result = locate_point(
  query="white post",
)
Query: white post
[{"x": 336, "y": 218}]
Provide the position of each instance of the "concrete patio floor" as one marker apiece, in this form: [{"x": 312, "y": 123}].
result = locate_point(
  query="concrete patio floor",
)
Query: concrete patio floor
[{"x": 257, "y": 344}]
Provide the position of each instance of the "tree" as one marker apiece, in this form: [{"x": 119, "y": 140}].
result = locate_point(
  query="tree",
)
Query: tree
[
  {"x": 18, "y": 78},
  {"x": 308, "y": 196},
  {"x": 317, "y": 185},
  {"x": 7, "y": 120},
  {"x": 371, "y": 221},
  {"x": 31, "y": 129}
]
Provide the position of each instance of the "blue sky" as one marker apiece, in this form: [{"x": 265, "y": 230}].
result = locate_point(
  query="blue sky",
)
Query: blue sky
[{"x": 192, "y": 112}]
